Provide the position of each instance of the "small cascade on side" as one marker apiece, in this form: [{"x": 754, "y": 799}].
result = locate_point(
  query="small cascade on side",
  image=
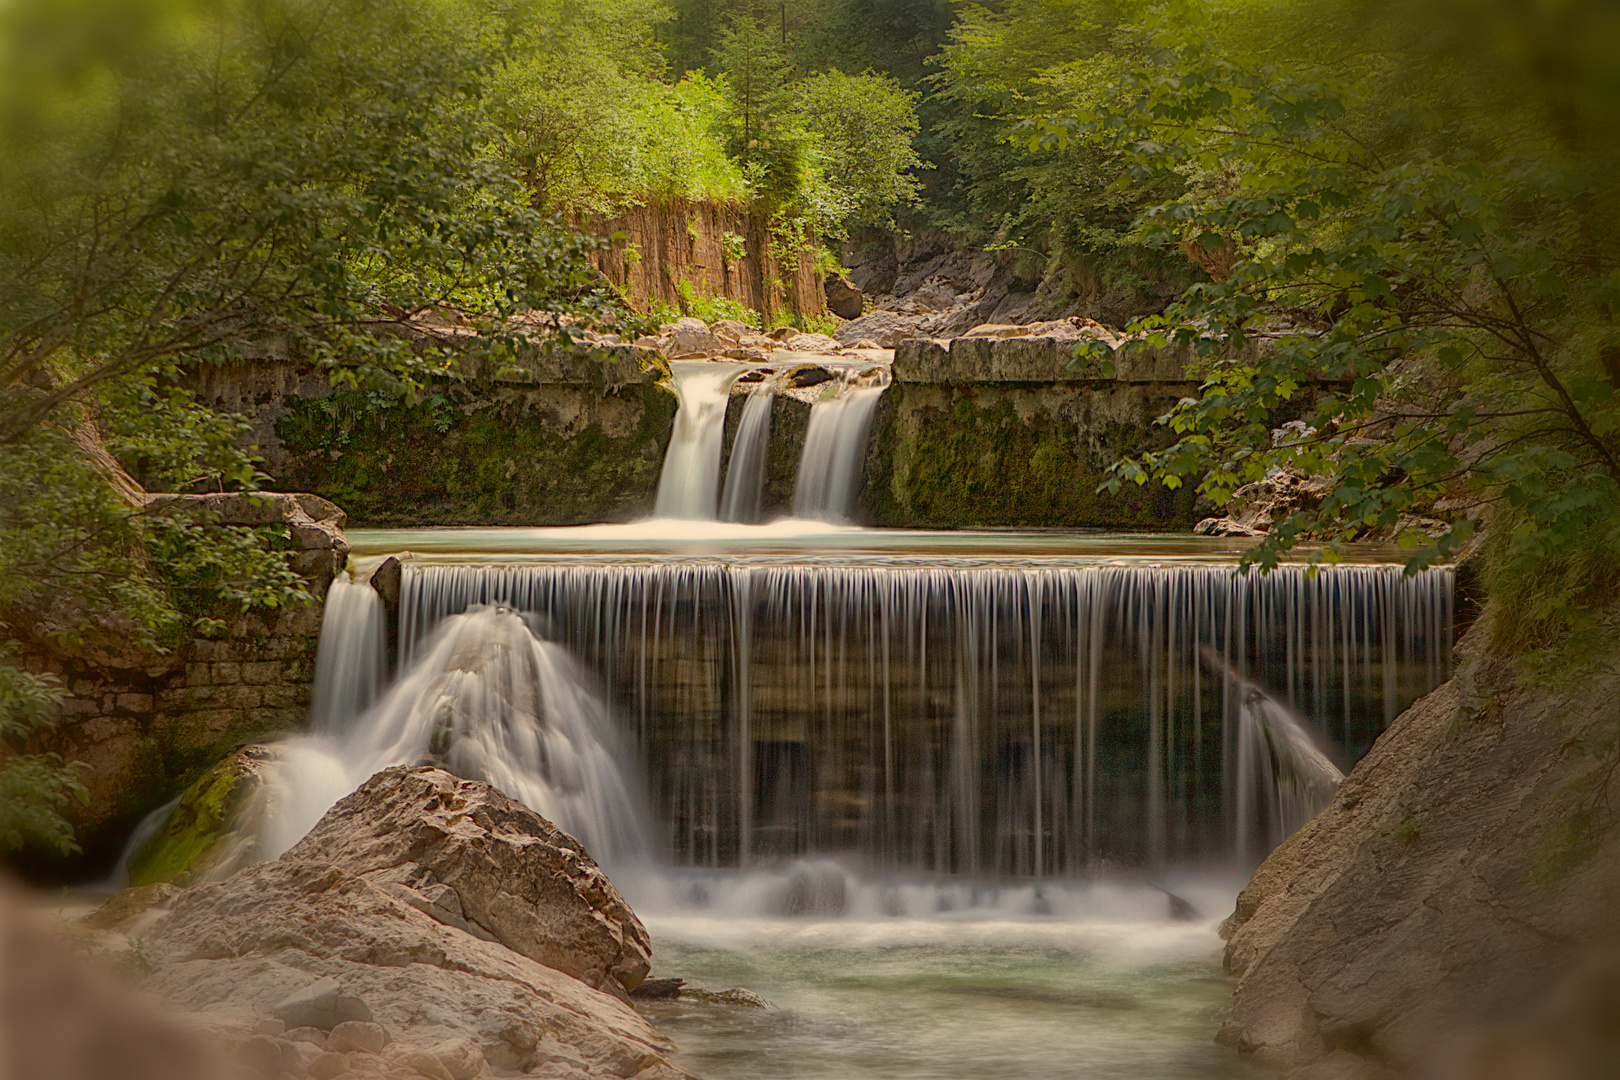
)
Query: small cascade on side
[
  {"x": 1010, "y": 721},
  {"x": 689, "y": 486},
  {"x": 741, "y": 501},
  {"x": 835, "y": 447},
  {"x": 351, "y": 661},
  {"x": 488, "y": 700},
  {"x": 1284, "y": 778}
]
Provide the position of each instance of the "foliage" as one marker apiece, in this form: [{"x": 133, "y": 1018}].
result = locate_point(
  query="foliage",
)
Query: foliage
[
  {"x": 1447, "y": 291},
  {"x": 183, "y": 186},
  {"x": 766, "y": 138},
  {"x": 34, "y": 788},
  {"x": 863, "y": 127},
  {"x": 590, "y": 125}
]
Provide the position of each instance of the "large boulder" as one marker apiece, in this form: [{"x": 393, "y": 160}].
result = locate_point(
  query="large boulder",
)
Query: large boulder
[
  {"x": 1456, "y": 888},
  {"x": 513, "y": 873},
  {"x": 844, "y": 299},
  {"x": 887, "y": 328},
  {"x": 443, "y": 921}
]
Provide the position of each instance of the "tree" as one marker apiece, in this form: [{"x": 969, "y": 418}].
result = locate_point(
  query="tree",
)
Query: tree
[
  {"x": 862, "y": 127},
  {"x": 765, "y": 137},
  {"x": 1453, "y": 281},
  {"x": 184, "y": 185}
]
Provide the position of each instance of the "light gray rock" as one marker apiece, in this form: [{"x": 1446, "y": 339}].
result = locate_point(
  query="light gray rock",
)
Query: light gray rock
[
  {"x": 328, "y": 1065},
  {"x": 234, "y": 949},
  {"x": 528, "y": 883},
  {"x": 360, "y": 1035},
  {"x": 691, "y": 337},
  {"x": 887, "y": 328},
  {"x": 322, "y": 1004},
  {"x": 461, "y": 1058},
  {"x": 813, "y": 343}
]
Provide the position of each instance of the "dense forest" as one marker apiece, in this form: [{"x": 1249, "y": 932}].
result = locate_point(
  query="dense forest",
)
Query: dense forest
[{"x": 1416, "y": 200}]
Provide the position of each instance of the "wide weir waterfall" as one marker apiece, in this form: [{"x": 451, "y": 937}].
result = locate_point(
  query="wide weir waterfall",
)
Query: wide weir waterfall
[{"x": 989, "y": 718}]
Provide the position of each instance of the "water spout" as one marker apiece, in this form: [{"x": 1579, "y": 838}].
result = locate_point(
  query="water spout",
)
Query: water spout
[
  {"x": 835, "y": 448},
  {"x": 490, "y": 701}
]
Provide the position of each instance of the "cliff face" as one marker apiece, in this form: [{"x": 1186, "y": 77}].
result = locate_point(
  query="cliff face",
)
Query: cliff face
[
  {"x": 1456, "y": 911},
  {"x": 716, "y": 249}
]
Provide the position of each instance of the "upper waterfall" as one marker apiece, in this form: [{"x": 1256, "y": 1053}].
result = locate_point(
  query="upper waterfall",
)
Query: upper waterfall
[{"x": 689, "y": 486}]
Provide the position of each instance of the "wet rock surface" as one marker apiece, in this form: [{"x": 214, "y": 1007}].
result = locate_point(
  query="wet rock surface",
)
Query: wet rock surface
[{"x": 319, "y": 964}]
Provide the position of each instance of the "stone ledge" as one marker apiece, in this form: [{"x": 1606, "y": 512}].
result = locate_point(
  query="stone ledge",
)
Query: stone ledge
[{"x": 1037, "y": 359}]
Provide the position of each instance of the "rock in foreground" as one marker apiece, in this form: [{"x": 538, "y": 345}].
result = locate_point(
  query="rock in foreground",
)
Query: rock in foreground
[
  {"x": 419, "y": 905},
  {"x": 509, "y": 871},
  {"x": 1429, "y": 919}
]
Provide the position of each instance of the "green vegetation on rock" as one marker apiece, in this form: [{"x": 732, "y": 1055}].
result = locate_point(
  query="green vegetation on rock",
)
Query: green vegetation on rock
[{"x": 210, "y": 828}]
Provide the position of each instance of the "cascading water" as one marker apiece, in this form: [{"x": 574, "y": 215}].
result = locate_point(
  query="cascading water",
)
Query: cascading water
[
  {"x": 745, "y": 471},
  {"x": 351, "y": 661},
  {"x": 494, "y": 702},
  {"x": 689, "y": 485},
  {"x": 986, "y": 720},
  {"x": 835, "y": 448}
]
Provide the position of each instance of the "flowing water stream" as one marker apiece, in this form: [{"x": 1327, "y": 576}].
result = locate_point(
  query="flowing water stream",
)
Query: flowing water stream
[{"x": 958, "y": 805}]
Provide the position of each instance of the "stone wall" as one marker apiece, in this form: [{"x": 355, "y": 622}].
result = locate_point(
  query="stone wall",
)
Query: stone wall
[
  {"x": 560, "y": 439},
  {"x": 147, "y": 725},
  {"x": 1000, "y": 432}
]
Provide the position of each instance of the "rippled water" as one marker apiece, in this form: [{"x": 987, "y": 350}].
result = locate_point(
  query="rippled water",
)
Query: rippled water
[{"x": 978, "y": 995}]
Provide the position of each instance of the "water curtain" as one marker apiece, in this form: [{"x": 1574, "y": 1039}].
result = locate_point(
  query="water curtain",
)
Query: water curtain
[
  {"x": 990, "y": 720},
  {"x": 830, "y": 466},
  {"x": 689, "y": 486},
  {"x": 742, "y": 500}
]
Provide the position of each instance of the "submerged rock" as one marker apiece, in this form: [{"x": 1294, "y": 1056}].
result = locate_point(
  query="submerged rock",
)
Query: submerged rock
[{"x": 211, "y": 830}]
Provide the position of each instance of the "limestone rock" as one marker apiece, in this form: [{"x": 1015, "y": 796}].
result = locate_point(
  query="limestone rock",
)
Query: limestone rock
[
  {"x": 691, "y": 337},
  {"x": 322, "y": 1004},
  {"x": 813, "y": 343},
  {"x": 363, "y": 1035},
  {"x": 236, "y": 949},
  {"x": 328, "y": 1065},
  {"x": 1434, "y": 903},
  {"x": 123, "y": 908},
  {"x": 516, "y": 875},
  {"x": 887, "y": 328}
]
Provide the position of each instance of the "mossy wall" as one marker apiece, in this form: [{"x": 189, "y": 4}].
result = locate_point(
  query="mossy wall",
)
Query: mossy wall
[
  {"x": 1012, "y": 454},
  {"x": 480, "y": 455}
]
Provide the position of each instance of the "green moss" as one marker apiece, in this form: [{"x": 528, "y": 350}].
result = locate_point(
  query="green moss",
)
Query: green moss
[
  {"x": 206, "y": 827},
  {"x": 462, "y": 458},
  {"x": 979, "y": 463}
]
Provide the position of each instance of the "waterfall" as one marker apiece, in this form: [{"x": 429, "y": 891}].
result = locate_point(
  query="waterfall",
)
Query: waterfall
[
  {"x": 745, "y": 471},
  {"x": 689, "y": 486},
  {"x": 351, "y": 660},
  {"x": 491, "y": 701},
  {"x": 1283, "y": 777},
  {"x": 835, "y": 450},
  {"x": 1006, "y": 718}
]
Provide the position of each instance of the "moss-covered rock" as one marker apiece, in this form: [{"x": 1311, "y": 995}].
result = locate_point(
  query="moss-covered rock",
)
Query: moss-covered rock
[
  {"x": 961, "y": 456},
  {"x": 481, "y": 454},
  {"x": 212, "y": 828}
]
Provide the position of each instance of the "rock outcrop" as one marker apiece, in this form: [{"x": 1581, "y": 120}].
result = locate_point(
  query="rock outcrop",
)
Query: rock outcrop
[
  {"x": 428, "y": 926},
  {"x": 1465, "y": 872},
  {"x": 515, "y": 874}
]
